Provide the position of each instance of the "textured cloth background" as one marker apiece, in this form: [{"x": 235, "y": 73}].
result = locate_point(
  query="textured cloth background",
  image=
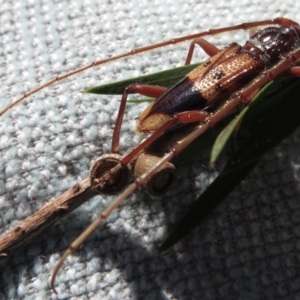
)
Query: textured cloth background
[{"x": 248, "y": 249}]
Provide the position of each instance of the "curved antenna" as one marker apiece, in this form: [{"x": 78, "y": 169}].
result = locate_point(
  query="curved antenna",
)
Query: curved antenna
[{"x": 244, "y": 26}]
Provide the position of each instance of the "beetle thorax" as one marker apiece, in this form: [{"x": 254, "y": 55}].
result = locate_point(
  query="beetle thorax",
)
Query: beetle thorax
[{"x": 271, "y": 43}]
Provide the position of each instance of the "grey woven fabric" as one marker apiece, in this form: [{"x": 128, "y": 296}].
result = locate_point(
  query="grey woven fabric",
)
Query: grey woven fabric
[{"x": 247, "y": 249}]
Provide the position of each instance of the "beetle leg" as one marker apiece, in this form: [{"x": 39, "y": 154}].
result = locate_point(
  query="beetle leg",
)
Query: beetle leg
[
  {"x": 142, "y": 89},
  {"x": 292, "y": 72},
  {"x": 208, "y": 47},
  {"x": 179, "y": 118}
]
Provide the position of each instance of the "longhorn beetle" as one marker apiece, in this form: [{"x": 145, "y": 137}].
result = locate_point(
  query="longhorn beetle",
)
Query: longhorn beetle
[{"x": 231, "y": 76}]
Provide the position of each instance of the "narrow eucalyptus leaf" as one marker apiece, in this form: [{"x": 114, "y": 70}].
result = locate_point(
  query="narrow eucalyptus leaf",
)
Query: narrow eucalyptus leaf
[
  {"x": 164, "y": 78},
  {"x": 227, "y": 132},
  {"x": 224, "y": 136},
  {"x": 277, "y": 117}
]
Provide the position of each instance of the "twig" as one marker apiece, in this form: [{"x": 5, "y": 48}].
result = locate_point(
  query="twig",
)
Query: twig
[{"x": 47, "y": 215}]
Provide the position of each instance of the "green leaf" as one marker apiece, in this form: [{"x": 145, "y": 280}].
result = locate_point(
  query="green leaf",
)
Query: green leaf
[
  {"x": 227, "y": 132},
  {"x": 140, "y": 100},
  {"x": 276, "y": 118},
  {"x": 278, "y": 123},
  {"x": 224, "y": 136},
  {"x": 165, "y": 78},
  {"x": 207, "y": 203}
]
